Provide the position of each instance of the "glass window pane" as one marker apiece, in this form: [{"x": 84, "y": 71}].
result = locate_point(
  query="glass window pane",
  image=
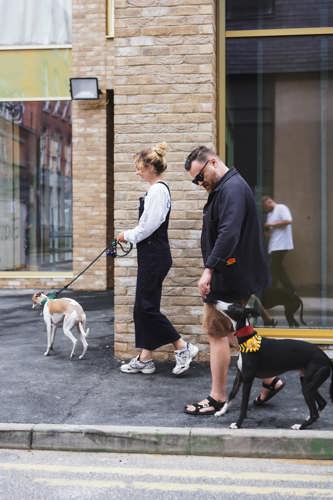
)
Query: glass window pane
[
  {"x": 35, "y": 22},
  {"x": 280, "y": 136},
  {"x": 272, "y": 14},
  {"x": 35, "y": 186},
  {"x": 34, "y": 73}
]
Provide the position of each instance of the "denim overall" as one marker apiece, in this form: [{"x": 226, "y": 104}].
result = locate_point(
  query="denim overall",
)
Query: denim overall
[{"x": 152, "y": 328}]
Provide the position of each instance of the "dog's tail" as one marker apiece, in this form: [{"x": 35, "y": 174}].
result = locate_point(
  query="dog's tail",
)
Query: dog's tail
[
  {"x": 301, "y": 312},
  {"x": 331, "y": 386},
  {"x": 84, "y": 332}
]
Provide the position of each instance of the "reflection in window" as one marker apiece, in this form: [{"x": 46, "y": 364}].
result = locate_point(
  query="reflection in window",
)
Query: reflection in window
[
  {"x": 280, "y": 136},
  {"x": 273, "y": 14},
  {"x": 35, "y": 22},
  {"x": 35, "y": 186}
]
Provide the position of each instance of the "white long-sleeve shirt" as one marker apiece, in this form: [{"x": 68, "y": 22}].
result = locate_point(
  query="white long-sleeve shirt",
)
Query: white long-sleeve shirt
[{"x": 156, "y": 207}]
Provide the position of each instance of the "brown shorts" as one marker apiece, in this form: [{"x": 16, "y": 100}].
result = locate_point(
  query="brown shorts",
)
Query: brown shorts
[{"x": 215, "y": 323}]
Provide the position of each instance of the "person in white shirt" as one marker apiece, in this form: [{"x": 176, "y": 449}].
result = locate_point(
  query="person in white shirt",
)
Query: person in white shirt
[
  {"x": 279, "y": 224},
  {"x": 152, "y": 328}
]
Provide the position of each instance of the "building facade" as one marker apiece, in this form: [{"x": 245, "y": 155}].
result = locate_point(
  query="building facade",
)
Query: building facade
[{"x": 253, "y": 81}]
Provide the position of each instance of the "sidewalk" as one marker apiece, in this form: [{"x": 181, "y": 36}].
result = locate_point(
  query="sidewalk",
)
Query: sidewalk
[{"x": 53, "y": 403}]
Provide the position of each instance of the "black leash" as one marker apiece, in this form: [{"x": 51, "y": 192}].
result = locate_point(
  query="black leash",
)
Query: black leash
[{"x": 111, "y": 251}]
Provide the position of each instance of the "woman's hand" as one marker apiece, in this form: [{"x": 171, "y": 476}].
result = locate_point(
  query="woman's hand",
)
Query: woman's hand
[
  {"x": 121, "y": 238},
  {"x": 204, "y": 282}
]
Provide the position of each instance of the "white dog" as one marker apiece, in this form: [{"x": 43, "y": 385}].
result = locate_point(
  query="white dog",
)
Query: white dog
[{"x": 65, "y": 311}]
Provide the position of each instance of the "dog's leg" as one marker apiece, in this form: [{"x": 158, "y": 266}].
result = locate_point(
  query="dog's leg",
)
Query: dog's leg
[
  {"x": 53, "y": 331},
  {"x": 244, "y": 405},
  {"x": 313, "y": 379},
  {"x": 293, "y": 302},
  {"x": 235, "y": 388},
  {"x": 321, "y": 402},
  {"x": 311, "y": 403},
  {"x": 82, "y": 333},
  {"x": 236, "y": 385},
  {"x": 68, "y": 324},
  {"x": 301, "y": 312},
  {"x": 49, "y": 327},
  {"x": 291, "y": 319},
  {"x": 316, "y": 381}
]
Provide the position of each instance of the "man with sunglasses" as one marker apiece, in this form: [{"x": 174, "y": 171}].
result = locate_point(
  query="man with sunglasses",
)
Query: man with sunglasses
[{"x": 235, "y": 265}]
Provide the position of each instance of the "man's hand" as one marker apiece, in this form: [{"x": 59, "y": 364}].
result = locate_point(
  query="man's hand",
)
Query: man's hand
[
  {"x": 121, "y": 237},
  {"x": 204, "y": 282}
]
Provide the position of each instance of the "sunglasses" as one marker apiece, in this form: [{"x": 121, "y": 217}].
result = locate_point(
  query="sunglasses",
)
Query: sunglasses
[{"x": 200, "y": 176}]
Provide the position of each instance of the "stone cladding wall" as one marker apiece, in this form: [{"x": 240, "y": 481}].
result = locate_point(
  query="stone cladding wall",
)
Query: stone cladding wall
[{"x": 164, "y": 76}]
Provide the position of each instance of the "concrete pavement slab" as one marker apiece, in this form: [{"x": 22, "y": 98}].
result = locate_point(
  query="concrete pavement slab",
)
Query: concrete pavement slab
[{"x": 38, "y": 390}]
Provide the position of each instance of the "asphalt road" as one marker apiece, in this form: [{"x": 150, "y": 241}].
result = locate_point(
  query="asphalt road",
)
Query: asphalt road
[
  {"x": 38, "y": 389},
  {"x": 38, "y": 475}
]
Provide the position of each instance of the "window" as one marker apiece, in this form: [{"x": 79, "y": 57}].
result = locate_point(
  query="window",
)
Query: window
[
  {"x": 35, "y": 22},
  {"x": 280, "y": 136},
  {"x": 272, "y": 14},
  {"x": 35, "y": 186}
]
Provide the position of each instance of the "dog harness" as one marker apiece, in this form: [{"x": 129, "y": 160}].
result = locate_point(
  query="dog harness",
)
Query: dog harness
[
  {"x": 248, "y": 338},
  {"x": 253, "y": 343}
]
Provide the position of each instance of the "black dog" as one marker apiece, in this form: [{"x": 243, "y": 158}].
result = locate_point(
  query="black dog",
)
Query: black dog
[
  {"x": 264, "y": 358},
  {"x": 275, "y": 296}
]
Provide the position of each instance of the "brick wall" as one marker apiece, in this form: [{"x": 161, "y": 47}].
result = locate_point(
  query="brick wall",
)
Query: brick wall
[
  {"x": 89, "y": 144},
  {"x": 163, "y": 72}
]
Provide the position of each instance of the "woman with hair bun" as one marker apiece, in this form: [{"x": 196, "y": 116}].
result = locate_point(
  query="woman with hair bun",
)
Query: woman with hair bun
[{"x": 152, "y": 328}]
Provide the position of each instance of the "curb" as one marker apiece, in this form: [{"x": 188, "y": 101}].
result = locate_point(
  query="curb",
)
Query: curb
[{"x": 254, "y": 443}]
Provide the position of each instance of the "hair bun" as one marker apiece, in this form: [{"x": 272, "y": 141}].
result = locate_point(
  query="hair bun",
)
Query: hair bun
[{"x": 161, "y": 149}]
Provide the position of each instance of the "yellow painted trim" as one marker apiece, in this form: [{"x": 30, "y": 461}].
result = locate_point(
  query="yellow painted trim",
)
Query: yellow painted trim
[
  {"x": 35, "y": 274},
  {"x": 109, "y": 19},
  {"x": 279, "y": 32},
  {"x": 316, "y": 335},
  {"x": 34, "y": 47},
  {"x": 221, "y": 79}
]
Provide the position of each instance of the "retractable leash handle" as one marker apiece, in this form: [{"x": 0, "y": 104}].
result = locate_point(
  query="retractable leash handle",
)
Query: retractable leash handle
[
  {"x": 110, "y": 251},
  {"x": 125, "y": 248}
]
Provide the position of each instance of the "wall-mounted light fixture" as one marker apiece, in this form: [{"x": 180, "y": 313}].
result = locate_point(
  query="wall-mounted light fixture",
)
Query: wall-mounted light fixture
[{"x": 84, "y": 88}]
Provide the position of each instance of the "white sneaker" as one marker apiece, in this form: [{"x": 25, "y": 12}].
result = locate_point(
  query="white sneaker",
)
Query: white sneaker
[
  {"x": 136, "y": 366},
  {"x": 184, "y": 358}
]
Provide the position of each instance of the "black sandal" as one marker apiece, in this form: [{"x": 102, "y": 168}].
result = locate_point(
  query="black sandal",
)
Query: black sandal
[
  {"x": 272, "y": 391},
  {"x": 217, "y": 405}
]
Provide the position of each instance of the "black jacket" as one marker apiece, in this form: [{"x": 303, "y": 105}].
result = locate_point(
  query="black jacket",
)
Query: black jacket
[{"x": 231, "y": 241}]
